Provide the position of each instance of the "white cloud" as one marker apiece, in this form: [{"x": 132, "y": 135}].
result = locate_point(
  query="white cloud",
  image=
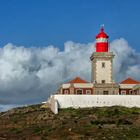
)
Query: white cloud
[
  {"x": 29, "y": 75},
  {"x": 126, "y": 61}
]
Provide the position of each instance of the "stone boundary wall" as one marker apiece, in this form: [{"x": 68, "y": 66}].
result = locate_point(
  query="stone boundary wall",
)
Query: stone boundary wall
[{"x": 86, "y": 101}]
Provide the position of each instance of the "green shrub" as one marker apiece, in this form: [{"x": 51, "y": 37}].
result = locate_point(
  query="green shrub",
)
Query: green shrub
[
  {"x": 37, "y": 130},
  {"x": 124, "y": 122}
]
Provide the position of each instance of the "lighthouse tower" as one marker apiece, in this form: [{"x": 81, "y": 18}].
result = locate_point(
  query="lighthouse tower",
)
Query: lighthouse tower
[{"x": 102, "y": 66}]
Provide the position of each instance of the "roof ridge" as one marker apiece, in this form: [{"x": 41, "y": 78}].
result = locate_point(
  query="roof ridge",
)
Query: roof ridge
[
  {"x": 129, "y": 80},
  {"x": 77, "y": 80}
]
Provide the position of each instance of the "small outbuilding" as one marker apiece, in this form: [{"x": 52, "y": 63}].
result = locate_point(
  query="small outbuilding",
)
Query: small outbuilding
[
  {"x": 76, "y": 86},
  {"x": 127, "y": 87}
]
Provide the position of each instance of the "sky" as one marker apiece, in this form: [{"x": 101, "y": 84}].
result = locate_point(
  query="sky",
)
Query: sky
[
  {"x": 45, "y": 22},
  {"x": 44, "y": 43}
]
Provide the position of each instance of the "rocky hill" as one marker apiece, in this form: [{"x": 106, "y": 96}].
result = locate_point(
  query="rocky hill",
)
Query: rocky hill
[{"x": 36, "y": 123}]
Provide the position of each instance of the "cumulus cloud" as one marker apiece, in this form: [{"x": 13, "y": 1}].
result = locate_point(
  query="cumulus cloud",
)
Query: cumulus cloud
[
  {"x": 126, "y": 61},
  {"x": 30, "y": 75}
]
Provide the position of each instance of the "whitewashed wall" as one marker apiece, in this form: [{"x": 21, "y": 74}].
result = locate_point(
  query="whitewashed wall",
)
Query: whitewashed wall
[
  {"x": 83, "y": 101},
  {"x": 54, "y": 104},
  {"x": 103, "y": 73}
]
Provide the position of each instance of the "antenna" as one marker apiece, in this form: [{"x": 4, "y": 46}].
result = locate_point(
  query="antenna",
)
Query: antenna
[{"x": 102, "y": 27}]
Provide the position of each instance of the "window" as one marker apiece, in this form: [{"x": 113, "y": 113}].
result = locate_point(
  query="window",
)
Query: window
[
  {"x": 130, "y": 92},
  {"x": 66, "y": 91},
  {"x": 103, "y": 81},
  {"x": 105, "y": 92},
  {"x": 123, "y": 92},
  {"x": 79, "y": 91},
  {"x": 103, "y": 64},
  {"x": 88, "y": 91}
]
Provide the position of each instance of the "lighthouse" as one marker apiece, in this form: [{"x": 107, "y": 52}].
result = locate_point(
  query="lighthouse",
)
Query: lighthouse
[{"x": 102, "y": 66}]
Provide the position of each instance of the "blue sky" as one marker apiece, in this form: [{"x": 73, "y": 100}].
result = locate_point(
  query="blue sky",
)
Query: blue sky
[{"x": 44, "y": 22}]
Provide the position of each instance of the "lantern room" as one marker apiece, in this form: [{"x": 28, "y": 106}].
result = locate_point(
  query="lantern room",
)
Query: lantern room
[{"x": 102, "y": 41}]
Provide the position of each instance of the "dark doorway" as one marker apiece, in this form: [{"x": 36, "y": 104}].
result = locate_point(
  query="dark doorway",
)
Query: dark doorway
[
  {"x": 79, "y": 91},
  {"x": 105, "y": 92}
]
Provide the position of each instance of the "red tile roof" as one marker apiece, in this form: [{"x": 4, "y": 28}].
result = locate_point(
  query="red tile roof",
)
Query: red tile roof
[
  {"x": 77, "y": 80},
  {"x": 130, "y": 81}
]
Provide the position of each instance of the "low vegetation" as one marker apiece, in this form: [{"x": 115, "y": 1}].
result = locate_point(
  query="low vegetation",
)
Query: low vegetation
[{"x": 36, "y": 123}]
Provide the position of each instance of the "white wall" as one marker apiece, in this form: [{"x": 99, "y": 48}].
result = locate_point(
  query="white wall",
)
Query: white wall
[
  {"x": 82, "y": 101},
  {"x": 54, "y": 104},
  {"x": 78, "y": 85},
  {"x": 103, "y": 73},
  {"x": 127, "y": 86}
]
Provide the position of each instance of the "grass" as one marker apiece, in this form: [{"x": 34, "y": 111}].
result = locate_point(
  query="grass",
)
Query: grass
[
  {"x": 16, "y": 130},
  {"x": 100, "y": 111},
  {"x": 118, "y": 123}
]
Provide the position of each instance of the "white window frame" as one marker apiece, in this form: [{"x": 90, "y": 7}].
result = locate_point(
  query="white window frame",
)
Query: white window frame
[
  {"x": 66, "y": 91},
  {"x": 88, "y": 90},
  {"x": 123, "y": 92}
]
